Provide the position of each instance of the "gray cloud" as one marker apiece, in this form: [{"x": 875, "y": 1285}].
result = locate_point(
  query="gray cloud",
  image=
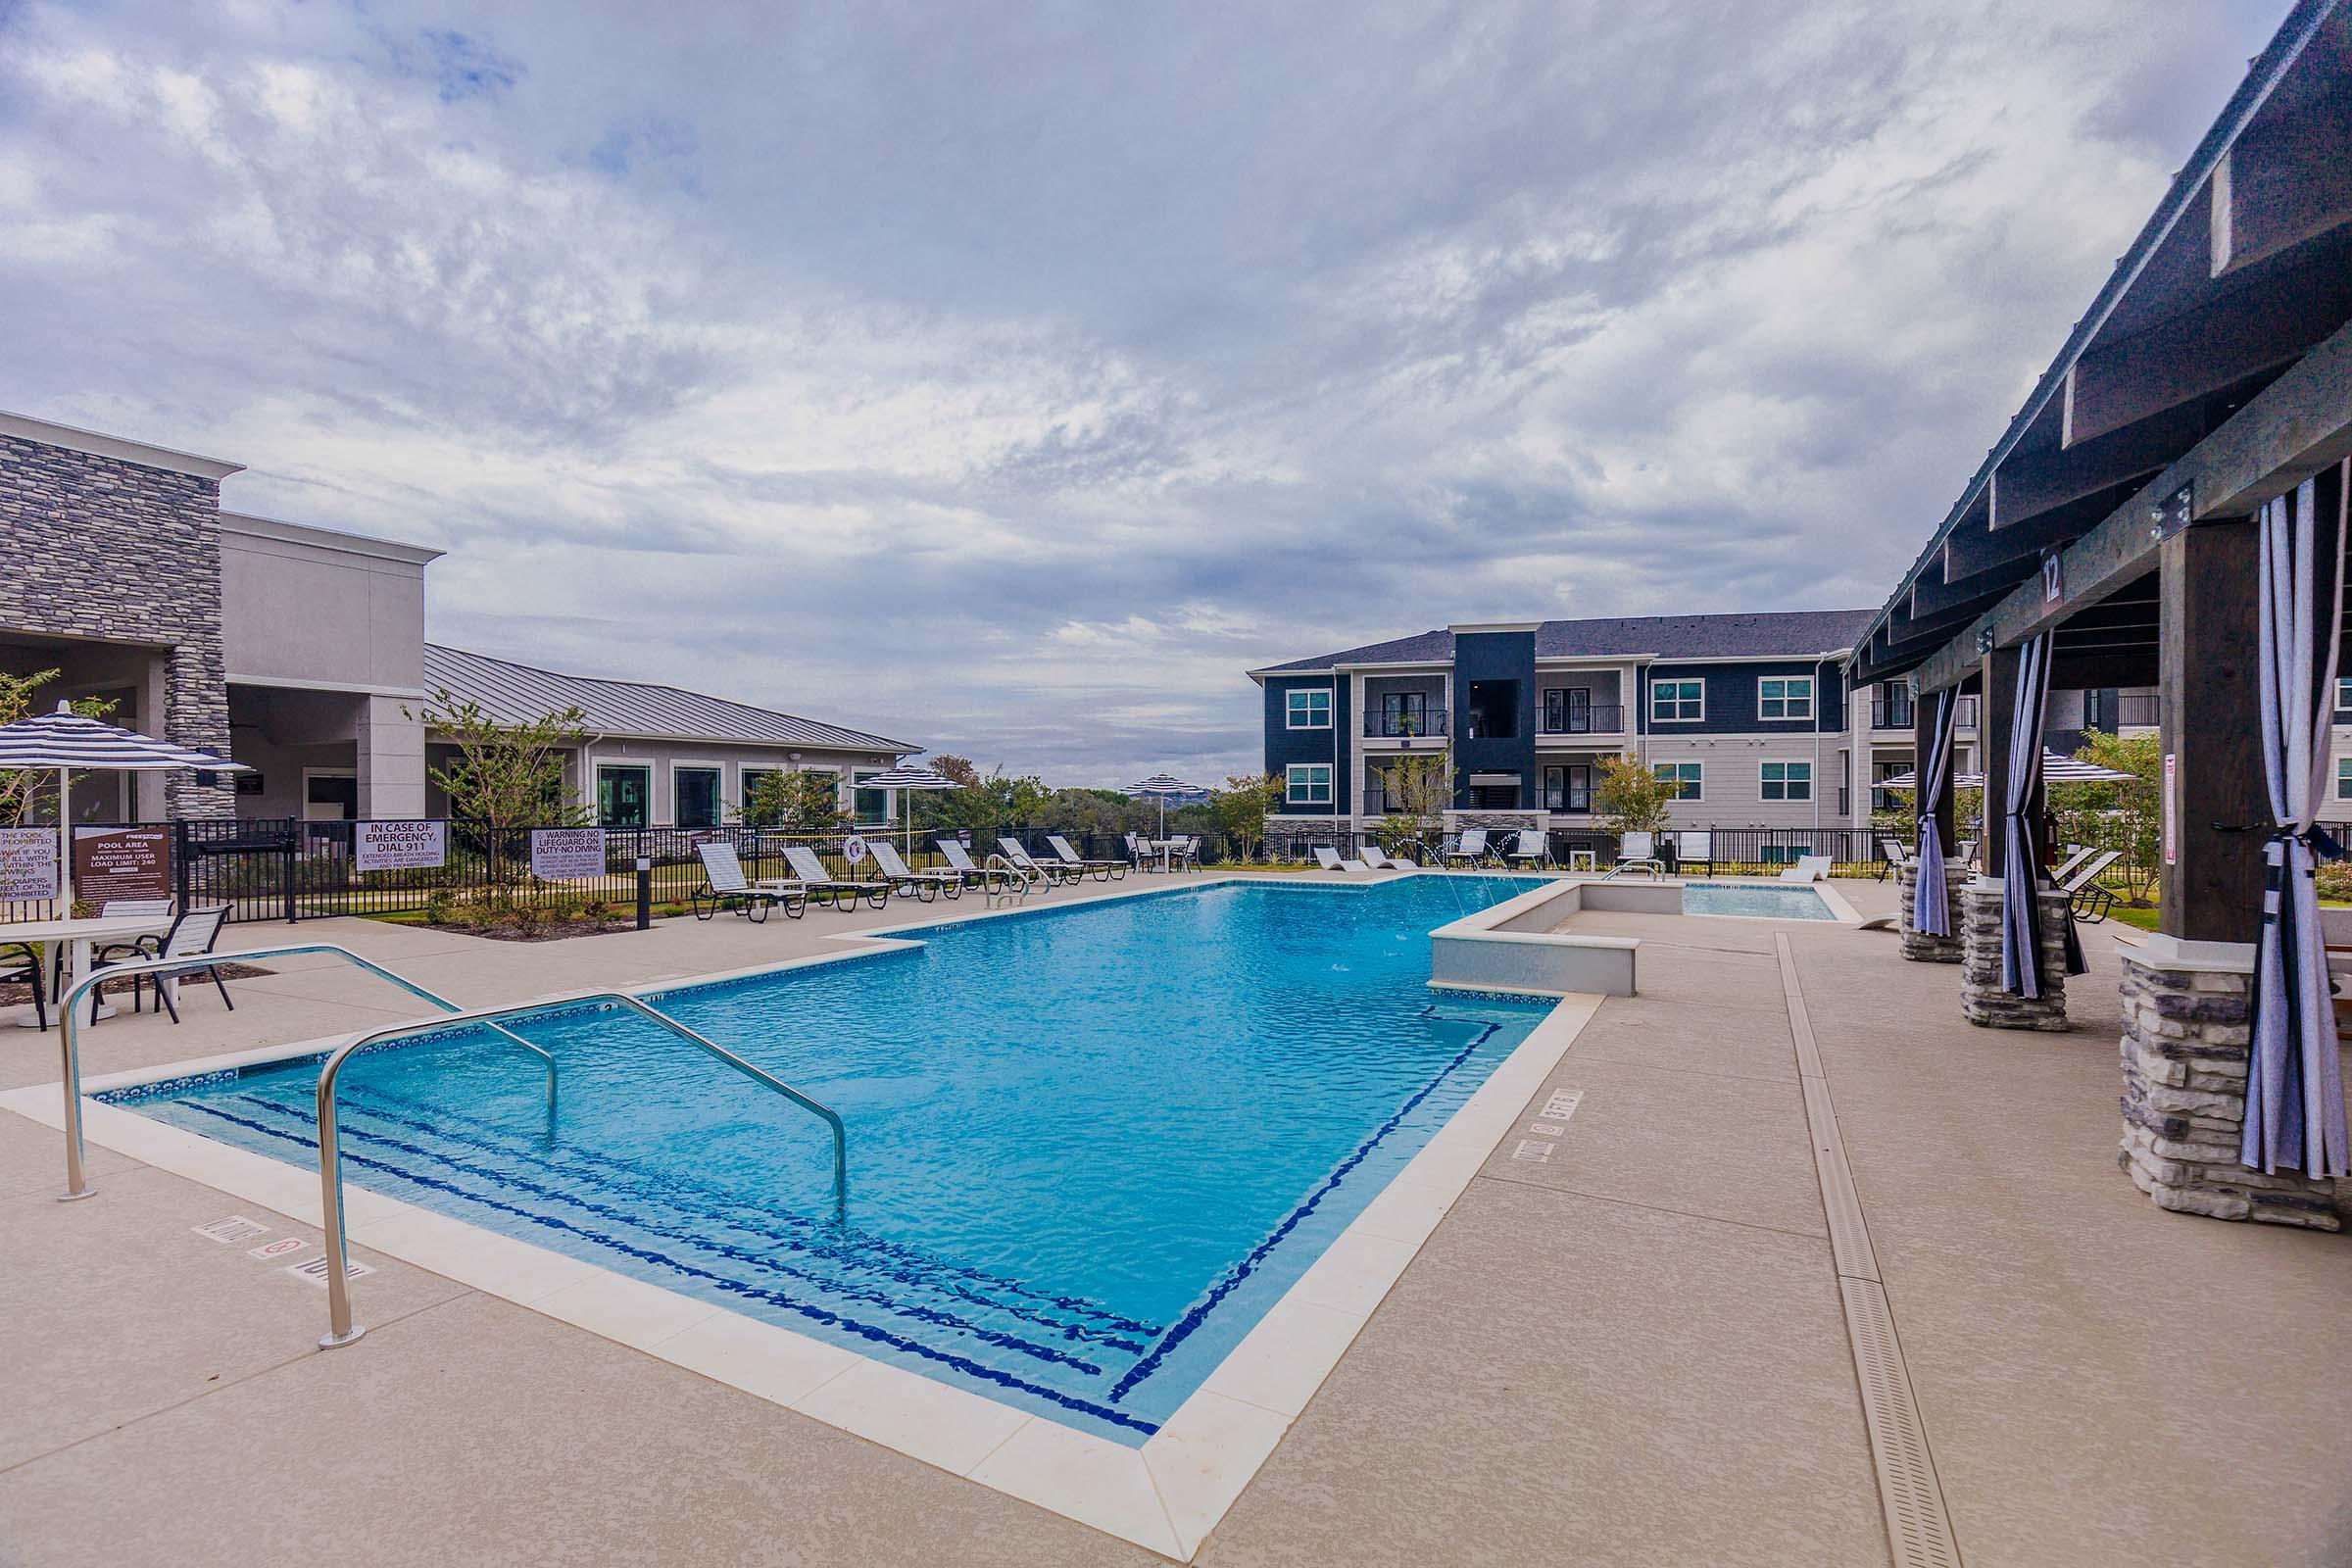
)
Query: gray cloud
[{"x": 1013, "y": 382}]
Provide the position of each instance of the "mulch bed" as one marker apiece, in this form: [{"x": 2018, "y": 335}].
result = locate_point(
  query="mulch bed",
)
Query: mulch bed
[
  {"x": 539, "y": 930},
  {"x": 18, "y": 995}
]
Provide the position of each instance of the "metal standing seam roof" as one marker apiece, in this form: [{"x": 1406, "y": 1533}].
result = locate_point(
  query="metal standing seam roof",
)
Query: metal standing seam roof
[
  {"x": 1764, "y": 634},
  {"x": 519, "y": 693}
]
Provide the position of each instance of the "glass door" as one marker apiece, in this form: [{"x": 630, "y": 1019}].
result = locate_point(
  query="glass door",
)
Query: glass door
[
  {"x": 623, "y": 795},
  {"x": 697, "y": 796}
]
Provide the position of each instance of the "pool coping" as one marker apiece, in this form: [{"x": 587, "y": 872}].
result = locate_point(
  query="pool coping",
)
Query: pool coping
[{"x": 1165, "y": 1494}]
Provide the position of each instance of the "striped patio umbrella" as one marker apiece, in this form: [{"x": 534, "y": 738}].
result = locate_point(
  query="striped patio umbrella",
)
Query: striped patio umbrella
[
  {"x": 913, "y": 780},
  {"x": 1164, "y": 787},
  {"x": 2056, "y": 770},
  {"x": 69, "y": 743}
]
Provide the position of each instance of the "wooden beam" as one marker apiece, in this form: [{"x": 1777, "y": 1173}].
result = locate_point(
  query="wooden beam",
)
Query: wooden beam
[
  {"x": 1995, "y": 719},
  {"x": 2190, "y": 356},
  {"x": 2211, "y": 720},
  {"x": 2028, "y": 485},
  {"x": 2285, "y": 181},
  {"x": 1940, "y": 604},
  {"x": 2300, "y": 423}
]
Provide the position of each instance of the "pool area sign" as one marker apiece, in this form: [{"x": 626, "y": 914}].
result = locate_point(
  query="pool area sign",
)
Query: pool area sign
[
  {"x": 122, "y": 862},
  {"x": 399, "y": 846},
  {"x": 568, "y": 853},
  {"x": 28, "y": 864}
]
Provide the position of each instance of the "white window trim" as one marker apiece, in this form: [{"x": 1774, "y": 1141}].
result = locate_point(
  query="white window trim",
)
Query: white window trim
[
  {"x": 708, "y": 764},
  {"x": 1331, "y": 706},
  {"x": 1699, "y": 783},
  {"x": 1700, "y": 717},
  {"x": 1812, "y": 692},
  {"x": 1785, "y": 798},
  {"x": 1290, "y": 784}
]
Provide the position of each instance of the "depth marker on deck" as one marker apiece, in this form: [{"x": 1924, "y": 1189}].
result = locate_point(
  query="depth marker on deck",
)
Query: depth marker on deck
[{"x": 1910, "y": 1493}]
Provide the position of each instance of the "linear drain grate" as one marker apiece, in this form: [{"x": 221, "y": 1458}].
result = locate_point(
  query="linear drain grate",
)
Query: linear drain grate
[
  {"x": 1917, "y": 1526},
  {"x": 1840, "y": 1203}
]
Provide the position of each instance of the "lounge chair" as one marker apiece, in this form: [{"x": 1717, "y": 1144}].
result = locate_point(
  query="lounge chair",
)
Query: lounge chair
[
  {"x": 1470, "y": 849},
  {"x": 1052, "y": 870},
  {"x": 1328, "y": 859},
  {"x": 960, "y": 862},
  {"x": 903, "y": 880},
  {"x": 1893, "y": 856},
  {"x": 1808, "y": 868},
  {"x": 1102, "y": 870},
  {"x": 1380, "y": 859},
  {"x": 2075, "y": 855},
  {"x": 1532, "y": 845},
  {"x": 1636, "y": 852},
  {"x": 725, "y": 887},
  {"x": 1695, "y": 846},
  {"x": 821, "y": 886},
  {"x": 1966, "y": 854},
  {"x": 2086, "y": 898},
  {"x": 191, "y": 937}
]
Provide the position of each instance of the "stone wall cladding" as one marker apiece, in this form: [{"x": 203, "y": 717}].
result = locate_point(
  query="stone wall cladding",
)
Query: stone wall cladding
[
  {"x": 104, "y": 547},
  {"x": 2184, "y": 1046},
  {"x": 1982, "y": 999},
  {"x": 1918, "y": 946}
]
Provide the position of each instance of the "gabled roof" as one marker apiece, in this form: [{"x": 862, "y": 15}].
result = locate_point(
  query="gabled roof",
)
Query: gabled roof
[
  {"x": 1771, "y": 634},
  {"x": 518, "y": 693}
]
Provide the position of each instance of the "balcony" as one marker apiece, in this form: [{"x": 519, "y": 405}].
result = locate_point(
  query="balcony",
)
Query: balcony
[
  {"x": 2118, "y": 711},
  {"x": 1895, "y": 713},
  {"x": 1568, "y": 803},
  {"x": 1405, "y": 724},
  {"x": 1380, "y": 803},
  {"x": 1598, "y": 719}
]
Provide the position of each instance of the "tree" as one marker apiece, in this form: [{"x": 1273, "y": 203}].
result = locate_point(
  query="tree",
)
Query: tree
[
  {"x": 1420, "y": 792},
  {"x": 2124, "y": 814},
  {"x": 1241, "y": 806},
  {"x": 796, "y": 800},
  {"x": 505, "y": 775},
  {"x": 20, "y": 789},
  {"x": 1631, "y": 798}
]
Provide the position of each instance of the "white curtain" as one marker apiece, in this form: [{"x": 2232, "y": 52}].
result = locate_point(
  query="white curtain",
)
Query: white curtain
[
  {"x": 2021, "y": 858},
  {"x": 1931, "y": 909},
  {"x": 2294, "y": 1087}
]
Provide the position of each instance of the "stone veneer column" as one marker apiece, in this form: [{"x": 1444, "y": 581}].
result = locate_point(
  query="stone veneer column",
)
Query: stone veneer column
[
  {"x": 2184, "y": 1045},
  {"x": 1982, "y": 999},
  {"x": 1918, "y": 946}
]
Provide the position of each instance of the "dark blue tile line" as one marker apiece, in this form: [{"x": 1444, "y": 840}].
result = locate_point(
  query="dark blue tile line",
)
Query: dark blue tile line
[
  {"x": 132, "y": 1094},
  {"x": 1242, "y": 1270},
  {"x": 740, "y": 1255},
  {"x": 879, "y": 1258}
]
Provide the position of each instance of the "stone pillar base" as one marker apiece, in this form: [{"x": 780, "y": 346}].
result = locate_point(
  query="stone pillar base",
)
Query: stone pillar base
[
  {"x": 1982, "y": 999},
  {"x": 2185, "y": 1048},
  {"x": 1918, "y": 946}
]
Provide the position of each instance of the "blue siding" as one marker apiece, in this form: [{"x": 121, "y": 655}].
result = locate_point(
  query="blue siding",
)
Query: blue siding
[
  {"x": 1285, "y": 745},
  {"x": 1732, "y": 699},
  {"x": 1495, "y": 656}
]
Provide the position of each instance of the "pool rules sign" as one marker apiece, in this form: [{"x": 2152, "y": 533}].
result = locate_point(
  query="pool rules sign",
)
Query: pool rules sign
[
  {"x": 28, "y": 864},
  {"x": 399, "y": 846}
]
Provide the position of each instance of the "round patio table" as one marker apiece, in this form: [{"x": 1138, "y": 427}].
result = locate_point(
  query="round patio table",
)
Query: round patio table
[{"x": 79, "y": 937}]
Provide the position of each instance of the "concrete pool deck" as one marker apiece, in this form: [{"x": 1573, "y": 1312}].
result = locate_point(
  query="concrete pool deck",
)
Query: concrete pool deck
[{"x": 1630, "y": 1350}]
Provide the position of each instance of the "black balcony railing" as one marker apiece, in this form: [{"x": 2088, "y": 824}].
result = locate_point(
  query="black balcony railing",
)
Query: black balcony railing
[
  {"x": 1599, "y": 720},
  {"x": 1570, "y": 803},
  {"x": 1404, "y": 723},
  {"x": 1892, "y": 712}
]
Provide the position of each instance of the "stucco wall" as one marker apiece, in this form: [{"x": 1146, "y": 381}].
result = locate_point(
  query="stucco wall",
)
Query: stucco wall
[{"x": 310, "y": 606}]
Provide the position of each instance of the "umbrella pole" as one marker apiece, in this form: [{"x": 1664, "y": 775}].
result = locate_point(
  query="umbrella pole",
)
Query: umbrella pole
[{"x": 64, "y": 848}]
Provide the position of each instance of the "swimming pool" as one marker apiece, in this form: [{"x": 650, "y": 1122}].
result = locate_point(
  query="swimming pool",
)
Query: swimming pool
[
  {"x": 1756, "y": 900},
  {"x": 1089, "y": 1146}
]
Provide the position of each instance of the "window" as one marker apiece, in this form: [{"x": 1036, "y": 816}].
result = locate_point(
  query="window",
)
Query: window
[
  {"x": 2343, "y": 694},
  {"x": 1689, "y": 777},
  {"x": 694, "y": 795},
  {"x": 1568, "y": 788},
  {"x": 869, "y": 807},
  {"x": 1568, "y": 710},
  {"x": 1787, "y": 781},
  {"x": 1882, "y": 798},
  {"x": 1785, "y": 696},
  {"x": 2343, "y": 778},
  {"x": 753, "y": 779},
  {"x": 1310, "y": 708},
  {"x": 1308, "y": 783},
  {"x": 1677, "y": 702},
  {"x": 1404, "y": 713},
  {"x": 623, "y": 795}
]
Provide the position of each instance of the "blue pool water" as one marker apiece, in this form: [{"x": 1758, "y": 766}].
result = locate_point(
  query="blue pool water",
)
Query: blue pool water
[
  {"x": 1763, "y": 900},
  {"x": 1088, "y": 1147}
]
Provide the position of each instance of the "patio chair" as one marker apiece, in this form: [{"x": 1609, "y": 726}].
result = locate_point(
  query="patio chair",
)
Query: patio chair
[
  {"x": 1138, "y": 851},
  {"x": 984, "y": 877},
  {"x": 1328, "y": 859},
  {"x": 1966, "y": 854},
  {"x": 1184, "y": 852},
  {"x": 1808, "y": 868},
  {"x": 725, "y": 887},
  {"x": 146, "y": 947},
  {"x": 191, "y": 937},
  {"x": 1532, "y": 846},
  {"x": 904, "y": 879},
  {"x": 1102, "y": 870},
  {"x": 2086, "y": 898},
  {"x": 21, "y": 965},
  {"x": 1636, "y": 852},
  {"x": 821, "y": 886},
  {"x": 1695, "y": 846},
  {"x": 1052, "y": 872},
  {"x": 1470, "y": 849}
]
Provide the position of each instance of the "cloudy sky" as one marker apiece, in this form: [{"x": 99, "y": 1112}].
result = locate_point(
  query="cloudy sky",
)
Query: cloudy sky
[{"x": 1012, "y": 378}]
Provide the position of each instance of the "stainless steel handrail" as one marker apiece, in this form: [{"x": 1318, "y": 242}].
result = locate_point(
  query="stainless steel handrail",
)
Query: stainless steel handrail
[
  {"x": 1002, "y": 880},
  {"x": 70, "y": 1039},
  {"x": 330, "y": 1161}
]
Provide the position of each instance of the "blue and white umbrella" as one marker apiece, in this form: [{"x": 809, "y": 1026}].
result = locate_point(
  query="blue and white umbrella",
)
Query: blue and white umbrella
[
  {"x": 1164, "y": 787},
  {"x": 67, "y": 743}
]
